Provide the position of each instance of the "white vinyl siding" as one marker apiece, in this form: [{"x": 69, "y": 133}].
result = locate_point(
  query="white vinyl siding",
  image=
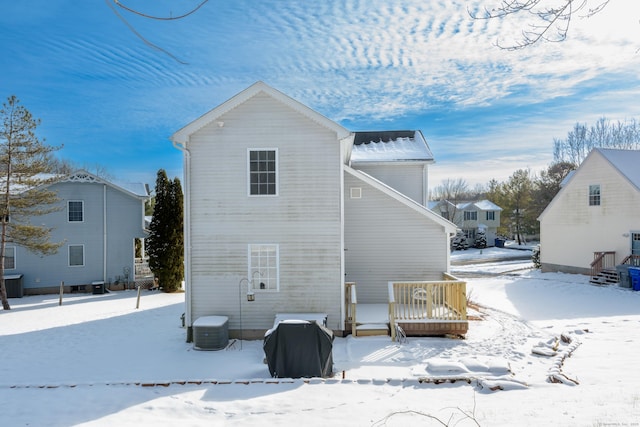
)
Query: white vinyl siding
[
  {"x": 385, "y": 240},
  {"x": 304, "y": 218},
  {"x": 571, "y": 230}
]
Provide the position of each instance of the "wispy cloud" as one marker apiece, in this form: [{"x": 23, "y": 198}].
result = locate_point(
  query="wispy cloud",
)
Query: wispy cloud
[{"x": 366, "y": 63}]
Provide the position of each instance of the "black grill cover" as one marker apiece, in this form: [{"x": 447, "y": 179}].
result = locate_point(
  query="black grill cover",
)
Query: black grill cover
[{"x": 298, "y": 348}]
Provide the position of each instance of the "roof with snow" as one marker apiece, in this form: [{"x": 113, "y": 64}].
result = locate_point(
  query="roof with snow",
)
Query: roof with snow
[
  {"x": 390, "y": 146},
  {"x": 626, "y": 161},
  {"x": 483, "y": 205}
]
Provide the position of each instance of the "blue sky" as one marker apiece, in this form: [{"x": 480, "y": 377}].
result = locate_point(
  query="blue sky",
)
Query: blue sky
[{"x": 114, "y": 101}]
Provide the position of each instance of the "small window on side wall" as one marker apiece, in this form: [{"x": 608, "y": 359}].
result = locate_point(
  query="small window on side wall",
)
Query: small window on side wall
[
  {"x": 9, "y": 258},
  {"x": 76, "y": 255},
  {"x": 263, "y": 172},
  {"x": 594, "y": 195},
  {"x": 75, "y": 209}
]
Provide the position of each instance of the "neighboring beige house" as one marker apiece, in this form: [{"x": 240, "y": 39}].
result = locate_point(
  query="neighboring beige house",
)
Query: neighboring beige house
[
  {"x": 284, "y": 208},
  {"x": 597, "y": 211},
  {"x": 470, "y": 217}
]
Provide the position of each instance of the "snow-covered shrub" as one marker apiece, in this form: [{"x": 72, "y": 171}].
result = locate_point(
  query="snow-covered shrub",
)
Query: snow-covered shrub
[
  {"x": 535, "y": 256},
  {"x": 481, "y": 239}
]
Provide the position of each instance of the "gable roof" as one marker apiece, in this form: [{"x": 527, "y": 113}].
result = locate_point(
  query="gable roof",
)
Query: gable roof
[
  {"x": 182, "y": 135},
  {"x": 627, "y": 162},
  {"x": 483, "y": 205},
  {"x": 390, "y": 146},
  {"x": 448, "y": 225},
  {"x": 135, "y": 189}
]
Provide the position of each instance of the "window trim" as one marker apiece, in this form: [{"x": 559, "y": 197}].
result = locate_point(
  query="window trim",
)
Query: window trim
[
  {"x": 251, "y": 269},
  {"x": 493, "y": 215},
  {"x": 69, "y": 210},
  {"x": 13, "y": 248},
  {"x": 595, "y": 199},
  {"x": 277, "y": 172},
  {"x": 69, "y": 255}
]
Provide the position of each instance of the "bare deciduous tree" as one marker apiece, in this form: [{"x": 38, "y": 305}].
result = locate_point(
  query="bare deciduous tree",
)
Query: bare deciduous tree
[{"x": 604, "y": 134}]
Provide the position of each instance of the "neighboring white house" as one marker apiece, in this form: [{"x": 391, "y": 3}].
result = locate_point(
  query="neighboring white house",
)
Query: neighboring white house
[
  {"x": 98, "y": 222},
  {"x": 597, "y": 210},
  {"x": 471, "y": 217},
  {"x": 284, "y": 206}
]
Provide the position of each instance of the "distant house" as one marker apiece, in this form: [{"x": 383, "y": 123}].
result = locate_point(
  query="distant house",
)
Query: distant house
[
  {"x": 98, "y": 222},
  {"x": 595, "y": 215},
  {"x": 470, "y": 217},
  {"x": 285, "y": 210}
]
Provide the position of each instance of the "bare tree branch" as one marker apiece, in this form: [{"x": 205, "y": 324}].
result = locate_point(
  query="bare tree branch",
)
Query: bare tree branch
[
  {"x": 553, "y": 18},
  {"x": 115, "y": 3}
]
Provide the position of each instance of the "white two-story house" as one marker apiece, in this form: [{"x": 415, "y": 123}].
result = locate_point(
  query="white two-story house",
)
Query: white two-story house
[{"x": 284, "y": 207}]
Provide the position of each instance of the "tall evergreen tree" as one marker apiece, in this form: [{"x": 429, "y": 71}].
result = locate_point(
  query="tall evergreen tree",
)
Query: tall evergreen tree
[
  {"x": 26, "y": 167},
  {"x": 165, "y": 244}
]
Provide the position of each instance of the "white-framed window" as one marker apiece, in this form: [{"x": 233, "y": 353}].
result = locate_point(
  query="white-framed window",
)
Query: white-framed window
[
  {"x": 263, "y": 171},
  {"x": 264, "y": 267},
  {"x": 356, "y": 192},
  {"x": 594, "y": 195},
  {"x": 75, "y": 210},
  {"x": 9, "y": 258},
  {"x": 491, "y": 215},
  {"x": 76, "y": 255},
  {"x": 470, "y": 215}
]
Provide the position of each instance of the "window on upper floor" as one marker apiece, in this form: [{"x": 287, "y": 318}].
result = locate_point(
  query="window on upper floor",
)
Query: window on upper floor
[
  {"x": 491, "y": 215},
  {"x": 594, "y": 195},
  {"x": 75, "y": 209},
  {"x": 470, "y": 215},
  {"x": 9, "y": 258},
  {"x": 263, "y": 172},
  {"x": 76, "y": 255},
  {"x": 264, "y": 267}
]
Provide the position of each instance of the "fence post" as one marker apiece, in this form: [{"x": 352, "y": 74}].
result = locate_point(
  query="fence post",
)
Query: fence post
[
  {"x": 138, "y": 301},
  {"x": 61, "y": 292}
]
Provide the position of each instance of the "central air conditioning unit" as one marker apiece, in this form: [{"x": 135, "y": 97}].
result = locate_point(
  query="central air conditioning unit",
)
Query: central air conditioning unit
[{"x": 211, "y": 333}]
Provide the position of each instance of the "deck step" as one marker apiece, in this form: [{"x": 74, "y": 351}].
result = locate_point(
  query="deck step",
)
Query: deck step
[
  {"x": 372, "y": 329},
  {"x": 605, "y": 277}
]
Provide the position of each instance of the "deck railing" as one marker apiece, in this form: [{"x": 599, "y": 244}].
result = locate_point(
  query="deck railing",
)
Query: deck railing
[
  {"x": 429, "y": 301},
  {"x": 633, "y": 260},
  {"x": 142, "y": 269},
  {"x": 601, "y": 261}
]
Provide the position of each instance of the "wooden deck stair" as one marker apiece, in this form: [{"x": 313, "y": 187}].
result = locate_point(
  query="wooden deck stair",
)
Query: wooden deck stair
[
  {"x": 372, "y": 320},
  {"x": 607, "y": 276}
]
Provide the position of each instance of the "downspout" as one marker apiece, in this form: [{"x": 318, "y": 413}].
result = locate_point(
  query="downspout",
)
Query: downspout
[
  {"x": 187, "y": 235},
  {"x": 425, "y": 185},
  {"x": 104, "y": 233}
]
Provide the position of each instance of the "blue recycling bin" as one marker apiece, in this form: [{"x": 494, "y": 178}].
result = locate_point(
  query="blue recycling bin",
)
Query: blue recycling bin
[
  {"x": 499, "y": 243},
  {"x": 634, "y": 274}
]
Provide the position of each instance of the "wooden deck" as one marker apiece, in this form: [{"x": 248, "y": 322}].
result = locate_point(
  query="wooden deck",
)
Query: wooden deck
[{"x": 423, "y": 308}]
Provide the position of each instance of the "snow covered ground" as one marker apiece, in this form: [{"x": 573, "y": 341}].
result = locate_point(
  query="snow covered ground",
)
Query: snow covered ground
[{"x": 98, "y": 361}]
